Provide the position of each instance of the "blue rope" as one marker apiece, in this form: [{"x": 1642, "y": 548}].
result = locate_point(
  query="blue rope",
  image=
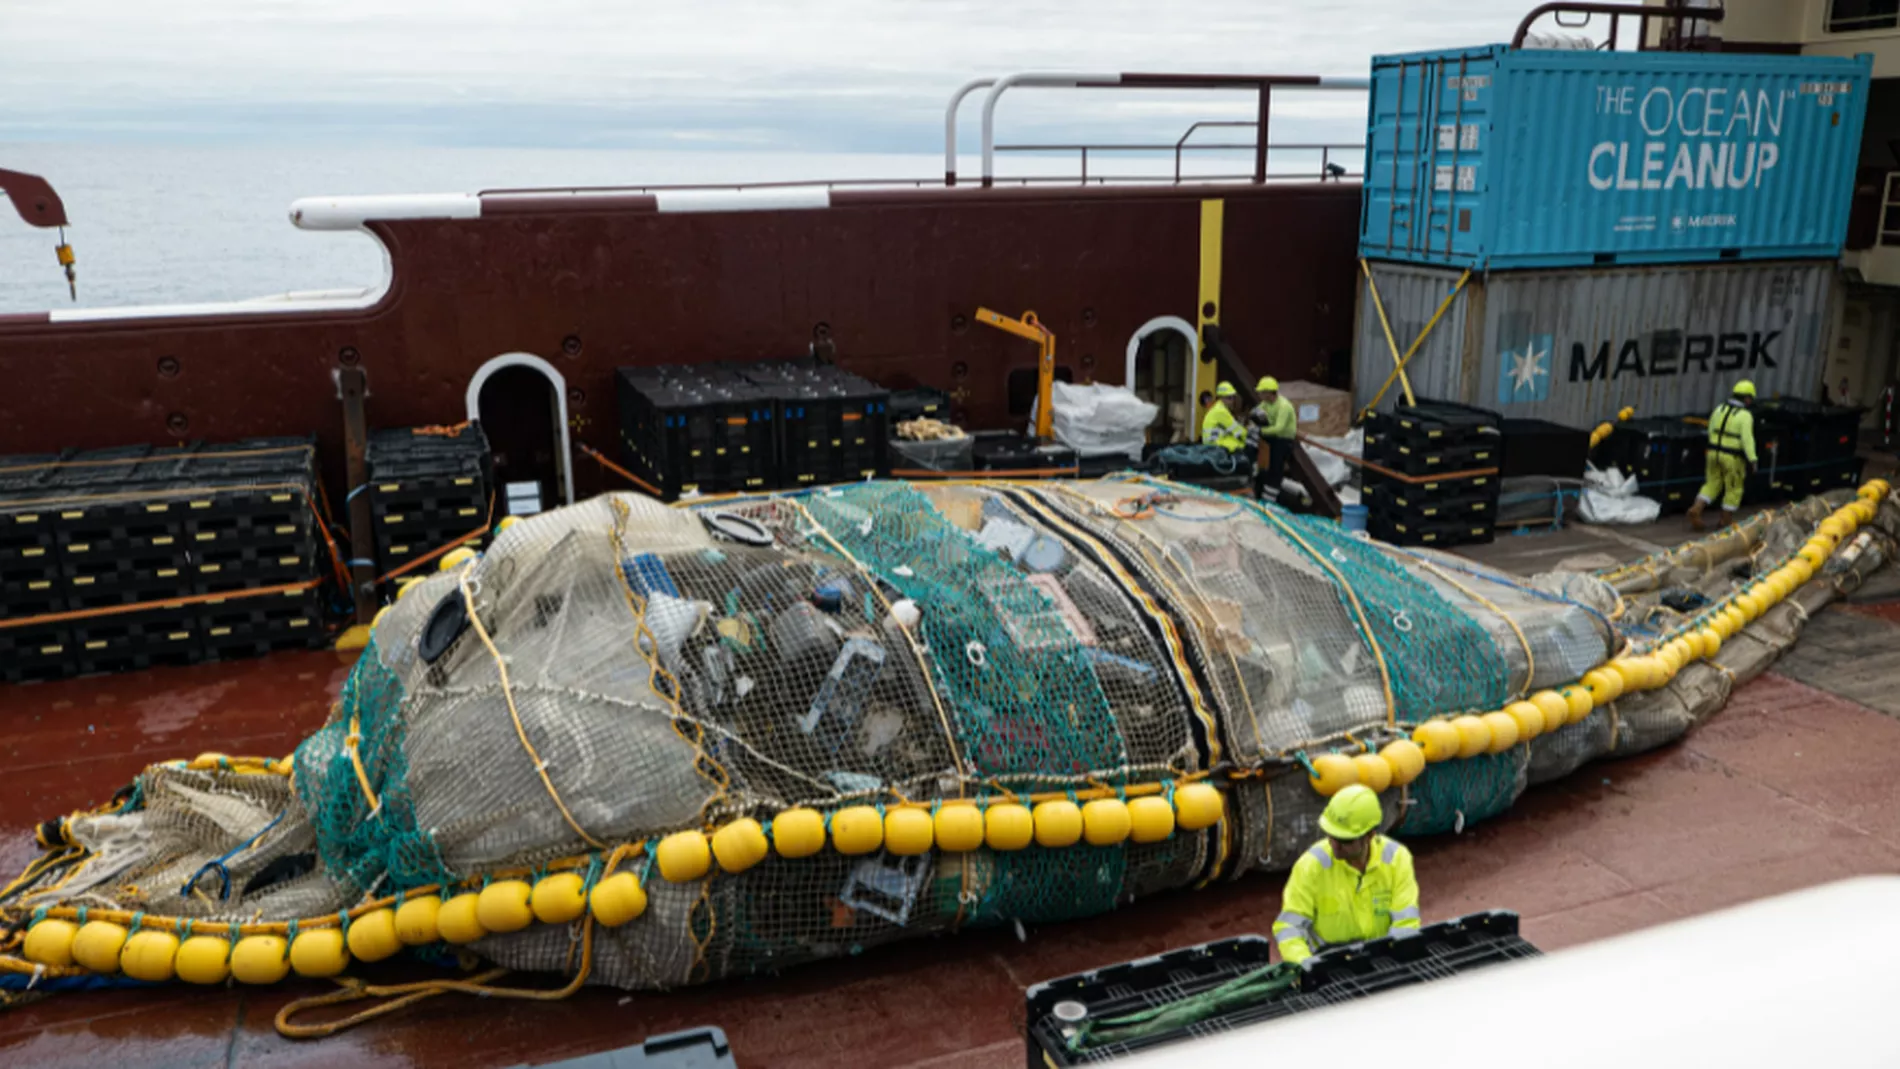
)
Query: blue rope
[
  {"x": 1223, "y": 462},
  {"x": 217, "y": 865}
]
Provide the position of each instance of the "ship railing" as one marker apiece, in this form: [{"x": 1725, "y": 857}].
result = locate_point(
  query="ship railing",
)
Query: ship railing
[
  {"x": 1262, "y": 86},
  {"x": 1328, "y": 155}
]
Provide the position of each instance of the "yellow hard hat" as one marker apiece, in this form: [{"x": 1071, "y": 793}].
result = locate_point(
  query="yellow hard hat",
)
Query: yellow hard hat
[
  {"x": 1744, "y": 388},
  {"x": 1225, "y": 389},
  {"x": 1352, "y": 813},
  {"x": 1266, "y": 384}
]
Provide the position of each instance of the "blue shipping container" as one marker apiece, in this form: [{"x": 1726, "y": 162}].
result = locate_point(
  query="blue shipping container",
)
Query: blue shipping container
[{"x": 1495, "y": 158}]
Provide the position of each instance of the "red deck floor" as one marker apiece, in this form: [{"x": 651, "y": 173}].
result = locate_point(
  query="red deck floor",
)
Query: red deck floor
[{"x": 1786, "y": 788}]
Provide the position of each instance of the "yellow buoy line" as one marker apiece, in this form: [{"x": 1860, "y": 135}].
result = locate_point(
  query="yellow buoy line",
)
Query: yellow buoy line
[
  {"x": 1652, "y": 667},
  {"x": 73, "y": 940},
  {"x": 66, "y": 940}
]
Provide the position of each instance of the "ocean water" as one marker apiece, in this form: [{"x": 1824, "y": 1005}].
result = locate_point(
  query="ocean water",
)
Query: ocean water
[{"x": 165, "y": 225}]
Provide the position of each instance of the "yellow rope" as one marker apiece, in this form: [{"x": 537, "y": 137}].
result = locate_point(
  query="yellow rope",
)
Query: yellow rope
[
  {"x": 507, "y": 691},
  {"x": 351, "y": 742},
  {"x": 661, "y": 681}
]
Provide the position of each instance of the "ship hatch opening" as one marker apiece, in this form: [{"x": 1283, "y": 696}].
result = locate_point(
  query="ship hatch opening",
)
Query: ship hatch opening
[
  {"x": 1160, "y": 370},
  {"x": 521, "y": 402}
]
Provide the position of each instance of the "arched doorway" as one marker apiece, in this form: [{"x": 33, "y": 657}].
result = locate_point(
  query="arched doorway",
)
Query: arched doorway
[
  {"x": 1160, "y": 369},
  {"x": 521, "y": 402}
]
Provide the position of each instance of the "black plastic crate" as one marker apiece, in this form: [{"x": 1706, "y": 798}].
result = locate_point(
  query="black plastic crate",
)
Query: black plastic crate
[
  {"x": 923, "y": 402},
  {"x": 1658, "y": 449},
  {"x": 1007, "y": 451},
  {"x": 1540, "y": 447},
  {"x": 832, "y": 426},
  {"x": 1675, "y": 495},
  {"x": 696, "y": 430},
  {"x": 425, "y": 490},
  {"x": 1809, "y": 432},
  {"x": 1820, "y": 477}
]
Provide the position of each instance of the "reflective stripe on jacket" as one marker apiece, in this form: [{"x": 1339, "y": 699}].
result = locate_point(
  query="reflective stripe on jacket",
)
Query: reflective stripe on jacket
[
  {"x": 1219, "y": 428},
  {"x": 1732, "y": 431},
  {"x": 1328, "y": 902}
]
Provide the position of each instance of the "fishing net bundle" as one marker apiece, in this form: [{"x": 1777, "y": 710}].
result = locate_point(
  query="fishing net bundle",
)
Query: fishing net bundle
[{"x": 613, "y": 673}]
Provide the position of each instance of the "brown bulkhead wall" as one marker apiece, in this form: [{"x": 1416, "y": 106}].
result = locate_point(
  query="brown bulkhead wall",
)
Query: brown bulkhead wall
[{"x": 888, "y": 273}]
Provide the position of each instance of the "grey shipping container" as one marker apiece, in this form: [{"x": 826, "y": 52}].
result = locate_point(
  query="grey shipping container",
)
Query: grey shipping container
[{"x": 1575, "y": 346}]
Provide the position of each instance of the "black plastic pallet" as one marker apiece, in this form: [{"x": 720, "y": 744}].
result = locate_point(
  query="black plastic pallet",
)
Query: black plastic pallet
[
  {"x": 241, "y": 647},
  {"x": 105, "y": 564},
  {"x": 1420, "y": 461},
  {"x": 147, "y": 631},
  {"x": 1399, "y": 501},
  {"x": 1402, "y": 532},
  {"x": 202, "y": 531},
  {"x": 85, "y": 592},
  {"x": 34, "y": 553},
  {"x": 34, "y": 653},
  {"x": 1127, "y": 988},
  {"x": 1054, "y": 1038}
]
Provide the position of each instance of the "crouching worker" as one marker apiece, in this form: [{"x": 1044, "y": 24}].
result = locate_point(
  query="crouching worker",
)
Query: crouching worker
[{"x": 1351, "y": 886}]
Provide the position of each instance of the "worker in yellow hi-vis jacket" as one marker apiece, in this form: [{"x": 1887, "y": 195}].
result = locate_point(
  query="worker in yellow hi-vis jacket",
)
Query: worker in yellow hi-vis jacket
[
  {"x": 1272, "y": 423},
  {"x": 1219, "y": 428},
  {"x": 1351, "y": 886},
  {"x": 1731, "y": 455}
]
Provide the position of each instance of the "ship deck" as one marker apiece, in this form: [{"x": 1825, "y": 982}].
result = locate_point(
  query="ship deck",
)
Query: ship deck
[{"x": 1792, "y": 785}]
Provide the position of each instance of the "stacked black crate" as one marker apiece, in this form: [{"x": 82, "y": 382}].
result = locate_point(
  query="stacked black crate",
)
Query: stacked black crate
[
  {"x": 428, "y": 487},
  {"x": 259, "y": 532},
  {"x": 160, "y": 528},
  {"x": 29, "y": 573},
  {"x": 1667, "y": 454},
  {"x": 1442, "y": 486},
  {"x": 696, "y": 430},
  {"x": 121, "y": 542},
  {"x": 1813, "y": 447},
  {"x": 741, "y": 428},
  {"x": 831, "y": 426}
]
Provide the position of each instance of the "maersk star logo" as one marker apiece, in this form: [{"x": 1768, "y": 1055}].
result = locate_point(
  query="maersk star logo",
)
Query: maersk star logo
[{"x": 1524, "y": 373}]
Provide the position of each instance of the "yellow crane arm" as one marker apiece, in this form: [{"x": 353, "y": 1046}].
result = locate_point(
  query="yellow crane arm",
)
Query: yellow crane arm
[{"x": 1031, "y": 328}]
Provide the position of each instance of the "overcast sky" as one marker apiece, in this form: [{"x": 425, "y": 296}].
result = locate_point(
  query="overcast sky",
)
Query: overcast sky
[{"x": 825, "y": 75}]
